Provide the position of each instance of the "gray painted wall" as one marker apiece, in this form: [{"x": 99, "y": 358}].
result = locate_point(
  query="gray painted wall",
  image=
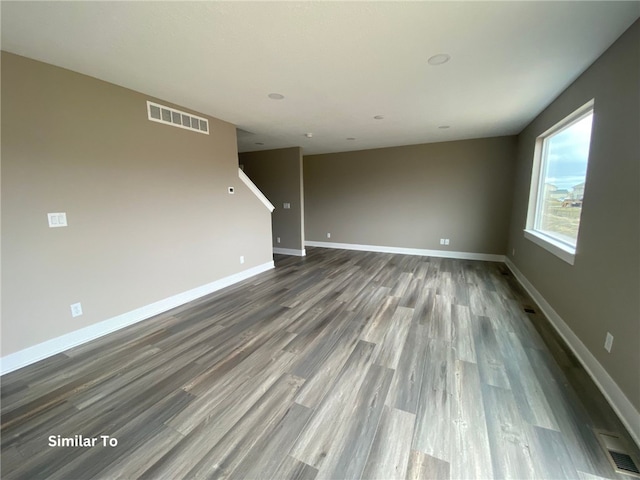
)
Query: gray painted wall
[
  {"x": 147, "y": 204},
  {"x": 412, "y": 196},
  {"x": 601, "y": 292},
  {"x": 278, "y": 174}
]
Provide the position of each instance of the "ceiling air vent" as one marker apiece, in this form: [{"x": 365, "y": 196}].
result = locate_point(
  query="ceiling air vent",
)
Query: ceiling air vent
[{"x": 171, "y": 116}]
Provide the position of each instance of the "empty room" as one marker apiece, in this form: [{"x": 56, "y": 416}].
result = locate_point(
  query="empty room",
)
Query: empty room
[{"x": 320, "y": 240}]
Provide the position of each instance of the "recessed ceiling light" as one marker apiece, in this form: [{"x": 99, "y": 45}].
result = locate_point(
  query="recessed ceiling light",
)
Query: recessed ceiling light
[
  {"x": 351, "y": 138},
  {"x": 443, "y": 127},
  {"x": 308, "y": 135},
  {"x": 378, "y": 117},
  {"x": 259, "y": 143},
  {"x": 275, "y": 96},
  {"x": 439, "y": 59}
]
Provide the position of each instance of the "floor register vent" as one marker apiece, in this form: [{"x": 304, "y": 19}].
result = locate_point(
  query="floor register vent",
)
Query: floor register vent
[
  {"x": 171, "y": 116},
  {"x": 618, "y": 455}
]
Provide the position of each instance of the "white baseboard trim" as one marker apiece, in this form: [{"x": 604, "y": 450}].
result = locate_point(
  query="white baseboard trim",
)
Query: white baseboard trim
[
  {"x": 625, "y": 410},
  {"x": 56, "y": 345},
  {"x": 290, "y": 251},
  {"x": 487, "y": 257}
]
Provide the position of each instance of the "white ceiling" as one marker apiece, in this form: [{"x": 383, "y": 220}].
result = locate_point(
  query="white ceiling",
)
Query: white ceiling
[{"x": 338, "y": 64}]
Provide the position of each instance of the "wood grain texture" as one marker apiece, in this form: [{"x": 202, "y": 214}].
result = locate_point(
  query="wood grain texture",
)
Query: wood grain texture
[
  {"x": 550, "y": 446},
  {"x": 490, "y": 359},
  {"x": 337, "y": 365},
  {"x": 508, "y": 439},
  {"x": 425, "y": 467},
  {"x": 293, "y": 469},
  {"x": 330, "y": 420},
  {"x": 390, "y": 348},
  {"x": 404, "y": 392},
  {"x": 434, "y": 437},
  {"x": 462, "y": 334},
  {"x": 354, "y": 445},
  {"x": 469, "y": 436},
  {"x": 389, "y": 458},
  {"x": 256, "y": 424},
  {"x": 265, "y": 458}
]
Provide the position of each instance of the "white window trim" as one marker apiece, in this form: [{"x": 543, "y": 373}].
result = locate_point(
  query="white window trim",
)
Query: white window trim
[{"x": 558, "y": 248}]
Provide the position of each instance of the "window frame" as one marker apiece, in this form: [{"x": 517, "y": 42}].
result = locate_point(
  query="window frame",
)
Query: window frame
[{"x": 564, "y": 250}]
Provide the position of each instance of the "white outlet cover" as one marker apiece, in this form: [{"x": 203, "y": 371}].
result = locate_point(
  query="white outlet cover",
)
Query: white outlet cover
[
  {"x": 241, "y": 259},
  {"x": 608, "y": 343},
  {"x": 58, "y": 219},
  {"x": 328, "y": 235},
  {"x": 286, "y": 206},
  {"x": 76, "y": 309}
]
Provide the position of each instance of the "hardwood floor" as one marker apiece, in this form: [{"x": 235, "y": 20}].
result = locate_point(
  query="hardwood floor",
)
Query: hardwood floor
[{"x": 337, "y": 365}]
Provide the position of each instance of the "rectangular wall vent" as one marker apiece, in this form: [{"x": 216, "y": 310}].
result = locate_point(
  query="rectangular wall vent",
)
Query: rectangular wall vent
[
  {"x": 624, "y": 462},
  {"x": 171, "y": 116},
  {"x": 618, "y": 454}
]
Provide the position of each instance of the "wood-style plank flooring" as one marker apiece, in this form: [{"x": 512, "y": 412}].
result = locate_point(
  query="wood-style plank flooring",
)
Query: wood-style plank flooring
[{"x": 337, "y": 365}]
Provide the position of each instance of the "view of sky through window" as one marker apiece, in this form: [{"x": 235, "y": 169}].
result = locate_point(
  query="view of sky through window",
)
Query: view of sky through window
[
  {"x": 562, "y": 180},
  {"x": 567, "y": 156}
]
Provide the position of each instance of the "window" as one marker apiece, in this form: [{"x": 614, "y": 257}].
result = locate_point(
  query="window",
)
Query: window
[{"x": 557, "y": 184}]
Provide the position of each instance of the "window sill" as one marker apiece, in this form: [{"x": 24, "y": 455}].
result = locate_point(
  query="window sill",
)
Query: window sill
[{"x": 560, "y": 250}]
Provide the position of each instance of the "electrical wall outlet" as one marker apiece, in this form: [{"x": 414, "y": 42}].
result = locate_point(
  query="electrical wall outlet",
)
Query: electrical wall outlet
[
  {"x": 277, "y": 239},
  {"x": 57, "y": 219},
  {"x": 608, "y": 342},
  {"x": 286, "y": 205},
  {"x": 328, "y": 235},
  {"x": 513, "y": 252},
  {"x": 444, "y": 241},
  {"x": 241, "y": 259},
  {"x": 76, "y": 309}
]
